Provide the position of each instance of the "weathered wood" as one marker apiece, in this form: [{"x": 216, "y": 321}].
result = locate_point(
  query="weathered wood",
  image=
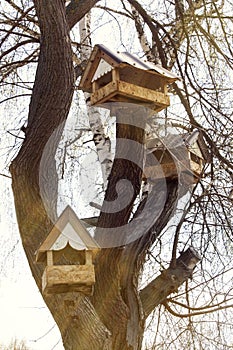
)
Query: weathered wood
[
  {"x": 121, "y": 77},
  {"x": 142, "y": 93},
  {"x": 170, "y": 171},
  {"x": 49, "y": 258},
  {"x": 115, "y": 75},
  {"x": 169, "y": 164},
  {"x": 124, "y": 91},
  {"x": 88, "y": 257},
  {"x": 95, "y": 86},
  {"x": 68, "y": 278},
  {"x": 104, "y": 94}
]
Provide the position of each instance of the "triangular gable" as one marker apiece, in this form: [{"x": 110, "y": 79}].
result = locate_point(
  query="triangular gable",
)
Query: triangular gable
[
  {"x": 68, "y": 229},
  {"x": 69, "y": 236},
  {"x": 99, "y": 53},
  {"x": 195, "y": 149},
  {"x": 103, "y": 68}
]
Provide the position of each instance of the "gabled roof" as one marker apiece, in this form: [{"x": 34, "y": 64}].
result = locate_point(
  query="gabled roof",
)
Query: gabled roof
[
  {"x": 67, "y": 230},
  {"x": 102, "y": 60},
  {"x": 174, "y": 141}
]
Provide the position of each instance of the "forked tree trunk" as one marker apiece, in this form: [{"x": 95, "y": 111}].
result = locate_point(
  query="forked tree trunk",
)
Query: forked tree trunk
[{"x": 113, "y": 318}]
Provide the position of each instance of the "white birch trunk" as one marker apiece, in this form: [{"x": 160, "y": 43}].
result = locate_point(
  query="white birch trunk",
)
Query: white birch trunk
[
  {"x": 102, "y": 142},
  {"x": 149, "y": 50}
]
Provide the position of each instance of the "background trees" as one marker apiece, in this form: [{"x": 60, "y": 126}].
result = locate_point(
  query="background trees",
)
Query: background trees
[
  {"x": 16, "y": 345},
  {"x": 194, "y": 40}
]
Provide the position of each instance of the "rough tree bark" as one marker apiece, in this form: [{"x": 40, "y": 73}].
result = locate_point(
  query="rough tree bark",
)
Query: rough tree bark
[{"x": 113, "y": 318}]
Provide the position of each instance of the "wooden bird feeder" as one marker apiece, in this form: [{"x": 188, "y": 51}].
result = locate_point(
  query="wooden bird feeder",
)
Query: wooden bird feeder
[
  {"x": 121, "y": 77},
  {"x": 68, "y": 251},
  {"x": 181, "y": 159}
]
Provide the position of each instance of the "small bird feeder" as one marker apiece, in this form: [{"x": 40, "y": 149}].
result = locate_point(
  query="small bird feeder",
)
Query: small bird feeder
[
  {"x": 68, "y": 251},
  {"x": 185, "y": 155},
  {"x": 121, "y": 77}
]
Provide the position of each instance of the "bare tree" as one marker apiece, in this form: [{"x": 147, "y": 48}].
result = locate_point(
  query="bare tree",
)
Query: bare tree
[{"x": 130, "y": 294}]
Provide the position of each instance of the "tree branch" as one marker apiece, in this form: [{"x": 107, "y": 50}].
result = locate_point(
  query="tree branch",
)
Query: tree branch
[
  {"x": 169, "y": 281},
  {"x": 154, "y": 30},
  {"x": 77, "y": 10},
  {"x": 194, "y": 123},
  {"x": 197, "y": 313}
]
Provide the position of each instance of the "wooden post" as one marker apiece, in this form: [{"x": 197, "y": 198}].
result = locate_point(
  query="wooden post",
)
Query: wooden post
[
  {"x": 88, "y": 257},
  {"x": 49, "y": 258},
  {"x": 115, "y": 75},
  {"x": 95, "y": 86}
]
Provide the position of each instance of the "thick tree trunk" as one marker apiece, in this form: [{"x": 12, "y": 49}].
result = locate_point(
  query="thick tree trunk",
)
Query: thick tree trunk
[
  {"x": 124, "y": 317},
  {"x": 34, "y": 169},
  {"x": 125, "y": 179}
]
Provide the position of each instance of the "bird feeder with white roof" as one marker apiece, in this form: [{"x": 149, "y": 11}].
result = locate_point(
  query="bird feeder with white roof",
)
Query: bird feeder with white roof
[
  {"x": 68, "y": 252},
  {"x": 122, "y": 77}
]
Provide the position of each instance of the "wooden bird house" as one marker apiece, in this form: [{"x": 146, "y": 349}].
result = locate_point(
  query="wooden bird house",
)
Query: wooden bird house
[
  {"x": 176, "y": 157},
  {"x": 122, "y": 77},
  {"x": 68, "y": 252}
]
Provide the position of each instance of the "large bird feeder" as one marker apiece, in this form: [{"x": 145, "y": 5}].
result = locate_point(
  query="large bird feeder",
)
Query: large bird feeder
[{"x": 122, "y": 77}]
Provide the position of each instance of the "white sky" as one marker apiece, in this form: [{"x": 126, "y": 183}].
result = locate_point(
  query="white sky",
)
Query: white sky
[{"x": 23, "y": 316}]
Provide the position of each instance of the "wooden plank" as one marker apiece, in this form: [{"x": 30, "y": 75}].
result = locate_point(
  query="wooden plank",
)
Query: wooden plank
[
  {"x": 104, "y": 93},
  {"x": 92, "y": 64},
  {"x": 66, "y": 278},
  {"x": 144, "y": 94},
  {"x": 126, "y": 91},
  {"x": 95, "y": 86},
  {"x": 161, "y": 171},
  {"x": 170, "y": 170},
  {"x": 110, "y": 60},
  {"x": 49, "y": 258}
]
